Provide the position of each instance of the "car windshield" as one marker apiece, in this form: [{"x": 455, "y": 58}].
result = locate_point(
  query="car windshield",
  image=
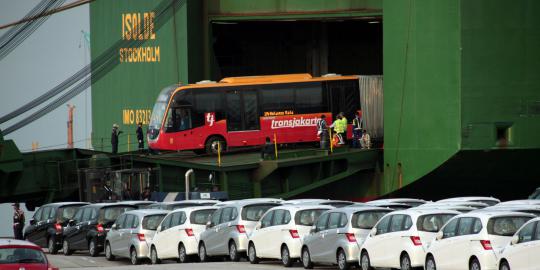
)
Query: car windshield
[
  {"x": 152, "y": 222},
  {"x": 200, "y": 217},
  {"x": 367, "y": 219},
  {"x": 432, "y": 223},
  {"x": 110, "y": 214},
  {"x": 505, "y": 226},
  {"x": 68, "y": 212},
  {"x": 21, "y": 255},
  {"x": 255, "y": 212},
  {"x": 308, "y": 217}
]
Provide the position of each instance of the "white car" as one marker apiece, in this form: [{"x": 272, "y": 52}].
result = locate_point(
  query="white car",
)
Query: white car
[
  {"x": 408, "y": 201},
  {"x": 524, "y": 208},
  {"x": 522, "y": 202},
  {"x": 470, "y": 241},
  {"x": 334, "y": 203},
  {"x": 177, "y": 235},
  {"x": 477, "y": 205},
  {"x": 229, "y": 226},
  {"x": 337, "y": 235},
  {"x": 280, "y": 232},
  {"x": 523, "y": 252},
  {"x": 399, "y": 238},
  {"x": 181, "y": 204},
  {"x": 487, "y": 200}
]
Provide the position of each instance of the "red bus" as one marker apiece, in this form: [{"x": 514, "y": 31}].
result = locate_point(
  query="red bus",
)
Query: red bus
[{"x": 243, "y": 111}]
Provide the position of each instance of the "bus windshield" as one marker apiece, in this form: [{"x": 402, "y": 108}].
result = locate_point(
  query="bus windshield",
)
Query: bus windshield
[{"x": 158, "y": 112}]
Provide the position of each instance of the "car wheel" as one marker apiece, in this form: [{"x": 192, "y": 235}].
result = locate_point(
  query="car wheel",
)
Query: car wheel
[
  {"x": 342, "y": 260},
  {"x": 52, "y": 246},
  {"x": 182, "y": 254},
  {"x": 252, "y": 254},
  {"x": 364, "y": 261},
  {"x": 475, "y": 265},
  {"x": 286, "y": 256},
  {"x": 65, "y": 248},
  {"x": 133, "y": 256},
  {"x": 154, "y": 259},
  {"x": 203, "y": 257},
  {"x": 92, "y": 248},
  {"x": 430, "y": 263},
  {"x": 233, "y": 252},
  {"x": 108, "y": 252},
  {"x": 405, "y": 262},
  {"x": 306, "y": 259},
  {"x": 504, "y": 266}
]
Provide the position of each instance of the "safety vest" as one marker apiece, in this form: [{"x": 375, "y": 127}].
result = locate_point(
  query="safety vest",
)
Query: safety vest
[{"x": 340, "y": 125}]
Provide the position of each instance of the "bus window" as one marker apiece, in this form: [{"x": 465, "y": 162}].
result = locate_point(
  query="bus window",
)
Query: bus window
[
  {"x": 310, "y": 99},
  {"x": 178, "y": 119},
  {"x": 277, "y": 98},
  {"x": 210, "y": 100}
]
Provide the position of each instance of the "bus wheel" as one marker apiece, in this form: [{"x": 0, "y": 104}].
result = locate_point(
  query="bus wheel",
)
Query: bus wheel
[{"x": 211, "y": 146}]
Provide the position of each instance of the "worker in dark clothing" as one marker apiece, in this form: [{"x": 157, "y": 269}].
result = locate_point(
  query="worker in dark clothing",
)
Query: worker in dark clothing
[
  {"x": 114, "y": 138},
  {"x": 322, "y": 132},
  {"x": 18, "y": 222},
  {"x": 267, "y": 149},
  {"x": 358, "y": 126},
  {"x": 140, "y": 136}
]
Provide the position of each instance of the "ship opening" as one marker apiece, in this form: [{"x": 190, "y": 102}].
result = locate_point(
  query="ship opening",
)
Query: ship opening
[{"x": 351, "y": 46}]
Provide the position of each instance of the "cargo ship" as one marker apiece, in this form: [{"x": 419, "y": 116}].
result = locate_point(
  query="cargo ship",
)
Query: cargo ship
[{"x": 460, "y": 110}]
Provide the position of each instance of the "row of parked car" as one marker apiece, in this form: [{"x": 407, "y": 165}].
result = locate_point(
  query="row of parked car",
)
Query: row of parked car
[{"x": 457, "y": 233}]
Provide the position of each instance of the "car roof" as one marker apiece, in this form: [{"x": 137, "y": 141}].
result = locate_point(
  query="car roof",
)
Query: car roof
[
  {"x": 187, "y": 202},
  {"x": 195, "y": 208},
  {"x": 517, "y": 202},
  {"x": 101, "y": 205},
  {"x": 242, "y": 203},
  {"x": 453, "y": 203},
  {"x": 469, "y": 198},
  {"x": 146, "y": 212},
  {"x": 428, "y": 211},
  {"x": 58, "y": 204},
  {"x": 300, "y": 207},
  {"x": 494, "y": 214},
  {"x": 15, "y": 242},
  {"x": 351, "y": 210},
  {"x": 398, "y": 200}
]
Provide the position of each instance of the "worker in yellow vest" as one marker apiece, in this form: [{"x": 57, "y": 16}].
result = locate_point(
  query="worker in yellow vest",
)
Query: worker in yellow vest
[{"x": 340, "y": 126}]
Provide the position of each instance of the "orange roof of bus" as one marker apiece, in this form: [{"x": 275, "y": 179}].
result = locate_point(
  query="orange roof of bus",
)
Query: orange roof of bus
[{"x": 266, "y": 79}]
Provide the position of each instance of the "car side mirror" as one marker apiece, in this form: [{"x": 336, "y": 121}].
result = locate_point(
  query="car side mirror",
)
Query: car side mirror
[
  {"x": 313, "y": 229},
  {"x": 439, "y": 235},
  {"x": 113, "y": 227},
  {"x": 515, "y": 239},
  {"x": 258, "y": 226},
  {"x": 158, "y": 229},
  {"x": 373, "y": 232},
  {"x": 71, "y": 222},
  {"x": 32, "y": 222},
  {"x": 209, "y": 224}
]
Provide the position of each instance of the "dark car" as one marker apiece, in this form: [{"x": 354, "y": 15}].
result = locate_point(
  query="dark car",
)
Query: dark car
[
  {"x": 88, "y": 229},
  {"x": 17, "y": 255},
  {"x": 48, "y": 223}
]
